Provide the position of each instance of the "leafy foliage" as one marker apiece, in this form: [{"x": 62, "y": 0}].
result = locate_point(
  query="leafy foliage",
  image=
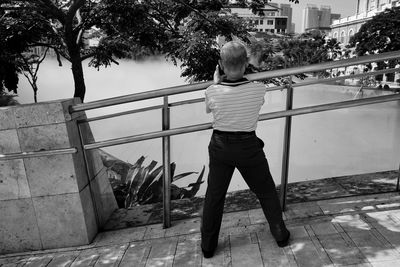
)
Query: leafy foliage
[
  {"x": 285, "y": 52},
  {"x": 138, "y": 184},
  {"x": 171, "y": 27},
  {"x": 378, "y": 35}
]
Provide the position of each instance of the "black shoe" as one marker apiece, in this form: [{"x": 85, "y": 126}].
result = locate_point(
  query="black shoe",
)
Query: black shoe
[
  {"x": 207, "y": 254},
  {"x": 280, "y": 233},
  {"x": 284, "y": 242}
]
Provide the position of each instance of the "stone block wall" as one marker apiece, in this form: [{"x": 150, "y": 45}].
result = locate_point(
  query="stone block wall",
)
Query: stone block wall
[{"x": 49, "y": 201}]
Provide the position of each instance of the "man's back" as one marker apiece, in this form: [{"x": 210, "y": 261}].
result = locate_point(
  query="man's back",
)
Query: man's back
[{"x": 235, "y": 105}]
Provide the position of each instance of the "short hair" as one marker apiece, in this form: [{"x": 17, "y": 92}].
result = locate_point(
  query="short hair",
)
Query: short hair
[{"x": 233, "y": 54}]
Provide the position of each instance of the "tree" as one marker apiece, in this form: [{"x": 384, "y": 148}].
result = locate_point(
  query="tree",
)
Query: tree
[
  {"x": 378, "y": 35},
  {"x": 284, "y": 52},
  {"x": 171, "y": 27}
]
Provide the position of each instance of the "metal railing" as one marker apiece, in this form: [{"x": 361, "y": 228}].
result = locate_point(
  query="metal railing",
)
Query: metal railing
[{"x": 166, "y": 132}]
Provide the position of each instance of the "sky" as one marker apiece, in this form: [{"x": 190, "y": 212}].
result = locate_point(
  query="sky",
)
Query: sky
[{"x": 343, "y": 7}]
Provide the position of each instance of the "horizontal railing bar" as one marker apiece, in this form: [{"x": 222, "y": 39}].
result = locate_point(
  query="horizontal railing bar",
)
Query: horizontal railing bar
[
  {"x": 359, "y": 75},
  {"x": 147, "y": 136},
  {"x": 318, "y": 81},
  {"x": 120, "y": 114},
  {"x": 324, "y": 66},
  {"x": 265, "y": 116},
  {"x": 253, "y": 77},
  {"x": 185, "y": 102},
  {"x": 22, "y": 155},
  {"x": 140, "y": 96},
  {"x": 330, "y": 106}
]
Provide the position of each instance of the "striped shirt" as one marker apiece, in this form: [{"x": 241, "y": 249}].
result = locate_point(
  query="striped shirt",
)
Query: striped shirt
[{"x": 235, "y": 105}]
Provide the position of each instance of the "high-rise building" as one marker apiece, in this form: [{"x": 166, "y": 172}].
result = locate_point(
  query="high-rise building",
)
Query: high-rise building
[
  {"x": 343, "y": 29},
  {"x": 319, "y": 19}
]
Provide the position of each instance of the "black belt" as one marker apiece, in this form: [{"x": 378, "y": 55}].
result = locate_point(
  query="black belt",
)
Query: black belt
[{"x": 234, "y": 133}]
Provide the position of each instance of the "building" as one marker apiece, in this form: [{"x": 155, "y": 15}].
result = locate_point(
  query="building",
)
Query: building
[
  {"x": 275, "y": 18},
  {"x": 343, "y": 29},
  {"x": 319, "y": 19}
]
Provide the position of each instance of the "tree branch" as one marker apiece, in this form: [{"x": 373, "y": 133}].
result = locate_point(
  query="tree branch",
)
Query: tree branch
[
  {"x": 73, "y": 9},
  {"x": 53, "y": 9}
]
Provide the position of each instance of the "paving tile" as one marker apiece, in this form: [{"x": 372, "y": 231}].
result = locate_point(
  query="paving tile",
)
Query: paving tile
[
  {"x": 257, "y": 216},
  {"x": 136, "y": 253},
  {"x": 340, "y": 251},
  {"x": 352, "y": 223},
  {"x": 326, "y": 228},
  {"x": 162, "y": 252},
  {"x": 233, "y": 219},
  {"x": 386, "y": 263},
  {"x": 222, "y": 255},
  {"x": 154, "y": 231},
  {"x": 271, "y": 254},
  {"x": 110, "y": 256},
  {"x": 298, "y": 232},
  {"x": 305, "y": 253},
  {"x": 303, "y": 210},
  {"x": 189, "y": 226},
  {"x": 63, "y": 260},
  {"x": 188, "y": 251},
  {"x": 86, "y": 258},
  {"x": 245, "y": 250},
  {"x": 372, "y": 248},
  {"x": 120, "y": 236},
  {"x": 39, "y": 261}
]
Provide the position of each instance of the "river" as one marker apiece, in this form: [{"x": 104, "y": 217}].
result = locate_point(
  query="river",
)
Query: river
[{"x": 334, "y": 143}]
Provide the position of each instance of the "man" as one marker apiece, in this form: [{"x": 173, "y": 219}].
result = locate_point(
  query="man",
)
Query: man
[{"x": 235, "y": 103}]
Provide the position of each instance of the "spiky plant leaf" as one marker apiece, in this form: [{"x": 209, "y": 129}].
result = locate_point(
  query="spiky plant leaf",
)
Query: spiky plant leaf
[{"x": 182, "y": 175}]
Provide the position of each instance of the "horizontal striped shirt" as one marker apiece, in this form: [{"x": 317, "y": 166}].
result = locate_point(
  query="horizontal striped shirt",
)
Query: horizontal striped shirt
[{"x": 235, "y": 105}]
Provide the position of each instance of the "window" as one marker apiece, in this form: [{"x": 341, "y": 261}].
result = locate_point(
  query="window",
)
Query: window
[
  {"x": 335, "y": 35},
  {"x": 261, "y": 22},
  {"x": 270, "y": 22},
  {"x": 272, "y": 30},
  {"x": 342, "y": 37},
  {"x": 256, "y": 21}
]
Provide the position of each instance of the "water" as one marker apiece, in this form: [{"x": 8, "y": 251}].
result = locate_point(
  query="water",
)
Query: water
[{"x": 342, "y": 142}]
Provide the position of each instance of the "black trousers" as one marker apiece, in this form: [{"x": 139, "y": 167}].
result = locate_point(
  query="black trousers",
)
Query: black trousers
[{"x": 243, "y": 151}]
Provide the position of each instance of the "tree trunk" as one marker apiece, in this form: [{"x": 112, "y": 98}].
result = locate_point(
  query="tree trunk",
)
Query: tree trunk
[
  {"x": 77, "y": 72},
  {"x": 73, "y": 46}
]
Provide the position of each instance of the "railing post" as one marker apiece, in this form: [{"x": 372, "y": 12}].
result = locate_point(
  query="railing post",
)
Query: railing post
[
  {"x": 286, "y": 146},
  {"x": 167, "y": 166},
  {"x": 398, "y": 179}
]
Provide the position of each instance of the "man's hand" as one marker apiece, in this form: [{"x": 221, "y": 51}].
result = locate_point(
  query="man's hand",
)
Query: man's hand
[{"x": 217, "y": 76}]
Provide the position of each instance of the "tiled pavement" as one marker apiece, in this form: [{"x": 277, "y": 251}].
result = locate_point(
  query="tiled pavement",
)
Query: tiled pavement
[{"x": 348, "y": 231}]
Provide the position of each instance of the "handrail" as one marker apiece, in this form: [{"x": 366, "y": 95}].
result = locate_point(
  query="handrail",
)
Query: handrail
[
  {"x": 275, "y": 88},
  {"x": 288, "y": 113},
  {"x": 22, "y": 155},
  {"x": 264, "y": 116},
  {"x": 253, "y": 77}
]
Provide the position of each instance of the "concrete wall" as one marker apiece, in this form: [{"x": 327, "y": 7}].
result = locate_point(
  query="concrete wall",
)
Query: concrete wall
[{"x": 50, "y": 201}]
